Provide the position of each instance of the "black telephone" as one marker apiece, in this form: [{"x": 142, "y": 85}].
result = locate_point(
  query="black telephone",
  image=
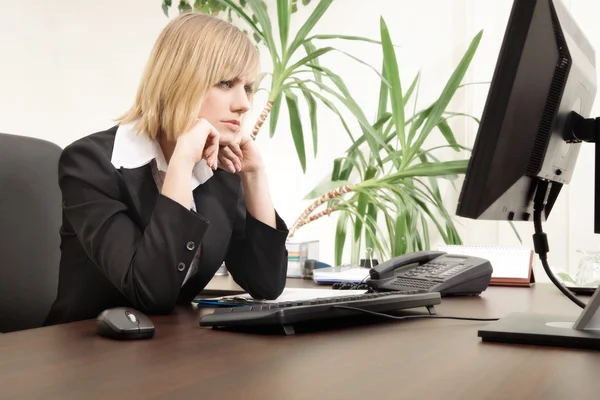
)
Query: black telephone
[{"x": 434, "y": 271}]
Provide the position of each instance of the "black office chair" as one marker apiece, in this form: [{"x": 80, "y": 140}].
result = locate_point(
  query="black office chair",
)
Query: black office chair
[{"x": 30, "y": 219}]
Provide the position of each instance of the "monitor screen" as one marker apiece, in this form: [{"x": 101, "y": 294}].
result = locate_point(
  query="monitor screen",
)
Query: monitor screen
[
  {"x": 545, "y": 71},
  {"x": 535, "y": 119}
]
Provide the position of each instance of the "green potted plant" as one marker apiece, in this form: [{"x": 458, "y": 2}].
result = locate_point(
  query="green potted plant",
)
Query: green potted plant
[{"x": 387, "y": 175}]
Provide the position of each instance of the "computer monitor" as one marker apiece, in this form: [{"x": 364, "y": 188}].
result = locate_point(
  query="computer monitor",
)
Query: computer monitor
[{"x": 536, "y": 118}]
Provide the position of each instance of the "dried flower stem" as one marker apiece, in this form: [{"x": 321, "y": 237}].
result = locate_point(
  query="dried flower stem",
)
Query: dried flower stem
[
  {"x": 310, "y": 219},
  {"x": 324, "y": 198},
  {"x": 262, "y": 118}
]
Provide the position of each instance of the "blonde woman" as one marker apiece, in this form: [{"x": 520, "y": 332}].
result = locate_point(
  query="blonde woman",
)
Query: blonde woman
[{"x": 154, "y": 205}]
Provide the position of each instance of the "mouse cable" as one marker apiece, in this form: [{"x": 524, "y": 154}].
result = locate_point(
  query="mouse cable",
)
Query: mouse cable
[{"x": 412, "y": 316}]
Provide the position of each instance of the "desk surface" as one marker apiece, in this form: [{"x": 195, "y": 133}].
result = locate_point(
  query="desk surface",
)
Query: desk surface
[{"x": 429, "y": 359}]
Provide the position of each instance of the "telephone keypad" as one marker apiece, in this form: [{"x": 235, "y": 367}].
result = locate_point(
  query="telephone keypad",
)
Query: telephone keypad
[{"x": 437, "y": 270}]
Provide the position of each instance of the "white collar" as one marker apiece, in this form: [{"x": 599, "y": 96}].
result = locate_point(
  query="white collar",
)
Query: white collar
[{"x": 133, "y": 150}]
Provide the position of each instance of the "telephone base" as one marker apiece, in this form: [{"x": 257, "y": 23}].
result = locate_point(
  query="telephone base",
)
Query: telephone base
[{"x": 541, "y": 330}]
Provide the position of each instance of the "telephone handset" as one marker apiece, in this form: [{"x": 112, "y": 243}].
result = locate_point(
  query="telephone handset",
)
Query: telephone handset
[{"x": 433, "y": 271}]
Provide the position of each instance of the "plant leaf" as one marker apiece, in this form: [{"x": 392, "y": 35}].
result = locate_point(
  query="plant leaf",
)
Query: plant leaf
[
  {"x": 323, "y": 188},
  {"x": 444, "y": 127},
  {"x": 309, "y": 47},
  {"x": 457, "y": 114},
  {"x": 308, "y": 25},
  {"x": 335, "y": 173},
  {"x": 372, "y": 211},
  {"x": 333, "y": 108},
  {"x": 382, "y": 103},
  {"x": 239, "y": 11},
  {"x": 361, "y": 208},
  {"x": 514, "y": 228},
  {"x": 340, "y": 237},
  {"x": 411, "y": 88},
  {"x": 391, "y": 72},
  {"x": 296, "y": 127},
  {"x": 431, "y": 158},
  {"x": 445, "y": 146},
  {"x": 283, "y": 21},
  {"x": 303, "y": 61},
  {"x": 425, "y": 233},
  {"x": 381, "y": 76},
  {"x": 445, "y": 97},
  {"x": 312, "y": 111},
  {"x": 417, "y": 123},
  {"x": 343, "y": 37},
  {"x": 565, "y": 277},
  {"x": 274, "y": 115},
  {"x": 259, "y": 9},
  {"x": 184, "y": 6},
  {"x": 375, "y": 141},
  {"x": 426, "y": 169}
]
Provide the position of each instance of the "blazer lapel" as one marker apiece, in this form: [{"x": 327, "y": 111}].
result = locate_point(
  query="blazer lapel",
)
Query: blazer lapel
[{"x": 142, "y": 191}]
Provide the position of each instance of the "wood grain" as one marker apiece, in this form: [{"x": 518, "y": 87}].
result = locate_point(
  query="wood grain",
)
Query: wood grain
[{"x": 428, "y": 359}]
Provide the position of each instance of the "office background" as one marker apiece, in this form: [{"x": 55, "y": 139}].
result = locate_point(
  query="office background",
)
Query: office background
[{"x": 70, "y": 66}]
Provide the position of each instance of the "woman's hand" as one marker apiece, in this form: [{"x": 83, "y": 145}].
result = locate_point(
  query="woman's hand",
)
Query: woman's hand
[
  {"x": 200, "y": 142},
  {"x": 242, "y": 155}
]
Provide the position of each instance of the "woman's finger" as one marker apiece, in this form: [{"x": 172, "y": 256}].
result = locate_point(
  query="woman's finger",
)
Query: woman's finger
[
  {"x": 211, "y": 153},
  {"x": 235, "y": 147},
  {"x": 226, "y": 163},
  {"x": 212, "y": 142},
  {"x": 230, "y": 159}
]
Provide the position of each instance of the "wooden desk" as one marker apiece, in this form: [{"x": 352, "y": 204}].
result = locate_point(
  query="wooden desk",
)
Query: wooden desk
[{"x": 417, "y": 359}]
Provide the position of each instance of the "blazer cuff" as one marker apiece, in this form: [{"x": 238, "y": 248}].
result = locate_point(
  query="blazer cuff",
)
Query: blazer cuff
[
  {"x": 280, "y": 232},
  {"x": 173, "y": 206},
  {"x": 189, "y": 225}
]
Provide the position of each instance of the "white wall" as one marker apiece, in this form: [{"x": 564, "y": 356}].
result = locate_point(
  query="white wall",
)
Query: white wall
[{"x": 69, "y": 67}]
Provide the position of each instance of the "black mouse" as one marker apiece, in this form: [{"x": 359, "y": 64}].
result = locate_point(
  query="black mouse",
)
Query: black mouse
[{"x": 124, "y": 323}]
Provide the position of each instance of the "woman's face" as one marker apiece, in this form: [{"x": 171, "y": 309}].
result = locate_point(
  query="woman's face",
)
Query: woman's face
[{"x": 224, "y": 105}]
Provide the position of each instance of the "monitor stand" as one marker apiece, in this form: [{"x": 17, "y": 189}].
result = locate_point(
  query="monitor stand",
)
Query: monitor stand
[
  {"x": 581, "y": 331},
  {"x": 549, "y": 330}
]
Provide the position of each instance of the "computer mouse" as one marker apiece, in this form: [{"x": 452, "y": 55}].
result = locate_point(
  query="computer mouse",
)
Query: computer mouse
[{"x": 124, "y": 323}]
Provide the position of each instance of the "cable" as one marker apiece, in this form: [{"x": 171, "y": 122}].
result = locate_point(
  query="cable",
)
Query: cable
[
  {"x": 412, "y": 316},
  {"x": 540, "y": 240}
]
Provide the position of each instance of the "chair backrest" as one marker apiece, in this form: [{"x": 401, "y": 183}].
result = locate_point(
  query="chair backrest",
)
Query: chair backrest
[{"x": 30, "y": 219}]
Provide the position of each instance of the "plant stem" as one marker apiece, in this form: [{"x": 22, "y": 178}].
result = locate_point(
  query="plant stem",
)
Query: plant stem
[
  {"x": 312, "y": 218},
  {"x": 261, "y": 118},
  {"x": 324, "y": 198}
]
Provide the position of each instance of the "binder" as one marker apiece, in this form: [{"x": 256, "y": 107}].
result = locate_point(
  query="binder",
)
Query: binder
[{"x": 513, "y": 265}]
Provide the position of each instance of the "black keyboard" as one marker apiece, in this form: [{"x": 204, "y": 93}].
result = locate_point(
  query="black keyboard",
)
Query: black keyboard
[{"x": 286, "y": 314}]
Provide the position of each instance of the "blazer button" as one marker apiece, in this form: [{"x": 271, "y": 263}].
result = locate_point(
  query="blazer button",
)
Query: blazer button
[
  {"x": 190, "y": 245},
  {"x": 180, "y": 267}
]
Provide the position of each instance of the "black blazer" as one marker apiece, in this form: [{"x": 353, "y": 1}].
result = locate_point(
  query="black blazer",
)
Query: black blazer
[{"x": 125, "y": 244}]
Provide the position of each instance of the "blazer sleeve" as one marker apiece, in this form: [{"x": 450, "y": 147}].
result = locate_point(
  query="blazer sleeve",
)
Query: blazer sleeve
[
  {"x": 257, "y": 255},
  {"x": 148, "y": 266}
]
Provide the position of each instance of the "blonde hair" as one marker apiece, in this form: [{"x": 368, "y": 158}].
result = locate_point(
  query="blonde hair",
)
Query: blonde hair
[{"x": 193, "y": 53}]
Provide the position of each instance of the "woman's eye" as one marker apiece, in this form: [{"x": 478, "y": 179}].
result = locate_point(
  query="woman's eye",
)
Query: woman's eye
[
  {"x": 226, "y": 84},
  {"x": 249, "y": 89}
]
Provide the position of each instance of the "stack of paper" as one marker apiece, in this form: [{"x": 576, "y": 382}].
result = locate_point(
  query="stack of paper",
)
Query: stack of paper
[
  {"x": 344, "y": 273},
  {"x": 289, "y": 294}
]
